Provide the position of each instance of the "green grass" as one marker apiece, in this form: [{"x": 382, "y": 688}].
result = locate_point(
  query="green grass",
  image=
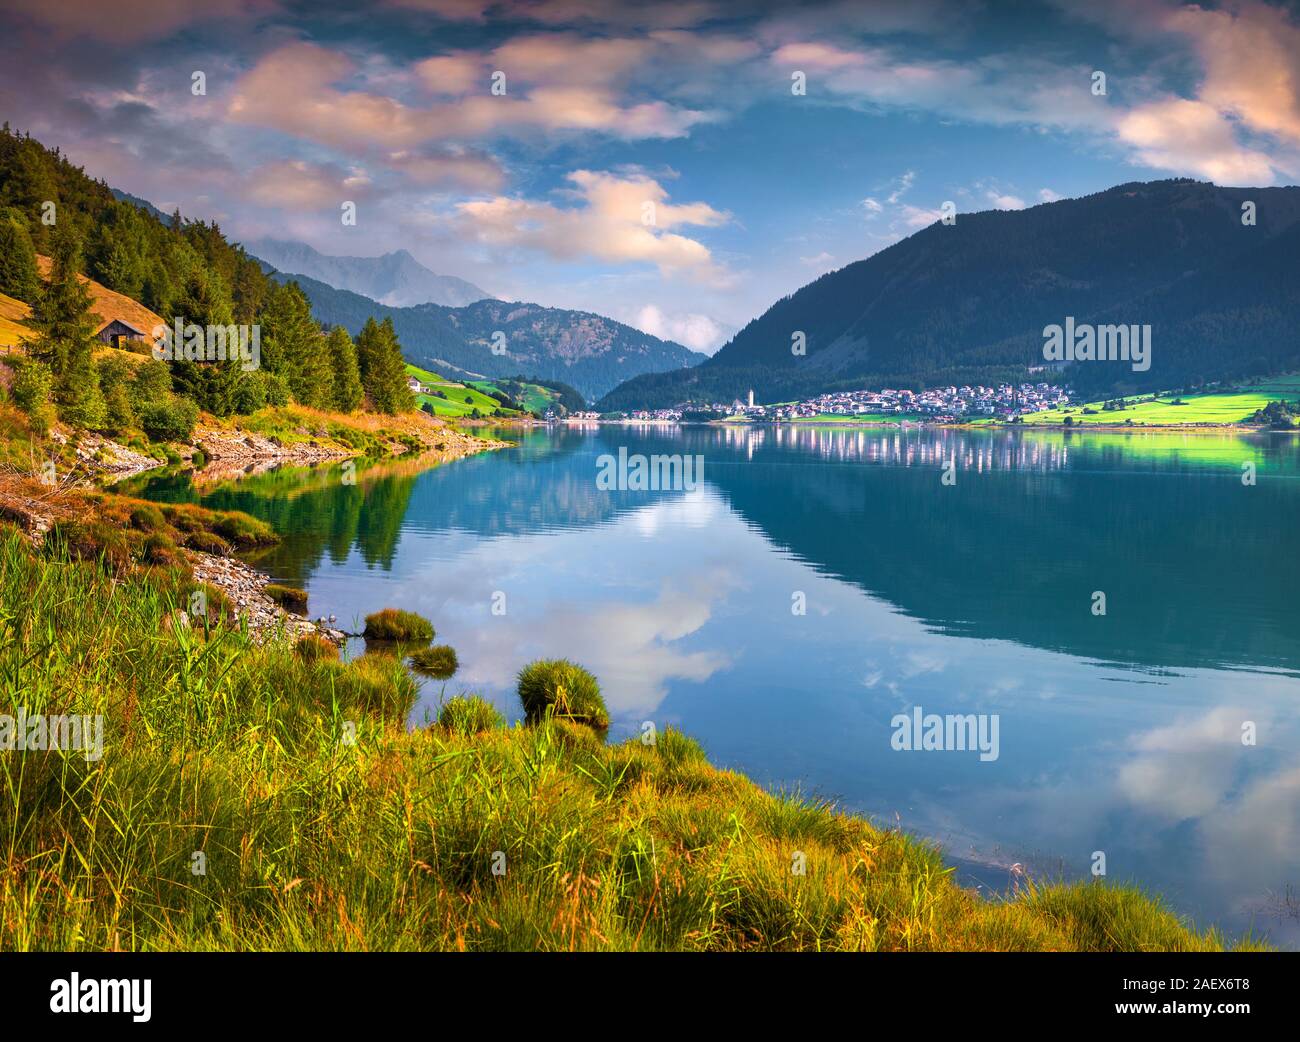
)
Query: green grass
[
  {"x": 454, "y": 404},
  {"x": 535, "y": 399},
  {"x": 1197, "y": 408},
  {"x": 398, "y": 626},
  {"x": 320, "y": 822}
]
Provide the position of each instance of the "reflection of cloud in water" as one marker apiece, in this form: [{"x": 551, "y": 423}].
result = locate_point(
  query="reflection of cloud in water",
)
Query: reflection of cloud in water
[
  {"x": 629, "y": 645},
  {"x": 1184, "y": 770},
  {"x": 1260, "y": 829}
]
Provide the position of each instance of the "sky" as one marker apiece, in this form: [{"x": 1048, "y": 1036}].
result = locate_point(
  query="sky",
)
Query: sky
[{"x": 678, "y": 166}]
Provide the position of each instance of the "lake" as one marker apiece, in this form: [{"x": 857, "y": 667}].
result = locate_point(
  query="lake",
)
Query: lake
[{"x": 818, "y": 584}]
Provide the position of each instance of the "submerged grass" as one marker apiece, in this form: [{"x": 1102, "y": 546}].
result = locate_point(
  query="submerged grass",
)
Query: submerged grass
[{"x": 254, "y": 797}]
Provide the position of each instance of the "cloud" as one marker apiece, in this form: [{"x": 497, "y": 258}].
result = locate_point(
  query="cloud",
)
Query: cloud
[
  {"x": 553, "y": 82},
  {"x": 1252, "y": 64},
  {"x": 668, "y": 14},
  {"x": 698, "y": 332},
  {"x": 1046, "y": 195},
  {"x": 292, "y": 90},
  {"x": 299, "y": 185},
  {"x": 1193, "y": 136},
  {"x": 999, "y": 89},
  {"x": 1005, "y": 201},
  {"x": 618, "y": 220},
  {"x": 130, "y": 21},
  {"x": 451, "y": 167}
]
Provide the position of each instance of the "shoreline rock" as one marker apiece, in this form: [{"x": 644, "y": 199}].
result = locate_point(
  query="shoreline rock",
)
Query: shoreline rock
[{"x": 245, "y": 586}]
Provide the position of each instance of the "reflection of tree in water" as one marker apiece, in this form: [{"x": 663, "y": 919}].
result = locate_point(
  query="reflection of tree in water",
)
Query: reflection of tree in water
[{"x": 378, "y": 526}]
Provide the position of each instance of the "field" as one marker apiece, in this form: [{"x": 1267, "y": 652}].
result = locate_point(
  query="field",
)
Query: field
[
  {"x": 12, "y": 314},
  {"x": 536, "y": 398},
  {"x": 461, "y": 400},
  {"x": 1196, "y": 408}
]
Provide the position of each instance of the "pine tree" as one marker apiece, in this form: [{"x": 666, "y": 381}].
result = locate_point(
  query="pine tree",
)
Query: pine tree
[
  {"x": 315, "y": 385},
  {"x": 61, "y": 315},
  {"x": 292, "y": 347},
  {"x": 383, "y": 369},
  {"x": 18, "y": 273},
  {"x": 347, "y": 374},
  {"x": 368, "y": 348},
  {"x": 209, "y": 381},
  {"x": 119, "y": 272}
]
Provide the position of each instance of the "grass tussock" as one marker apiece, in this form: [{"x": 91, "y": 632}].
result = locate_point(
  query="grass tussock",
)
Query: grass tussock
[
  {"x": 559, "y": 688},
  {"x": 393, "y": 625},
  {"x": 439, "y": 662},
  {"x": 260, "y": 797},
  {"x": 469, "y": 715}
]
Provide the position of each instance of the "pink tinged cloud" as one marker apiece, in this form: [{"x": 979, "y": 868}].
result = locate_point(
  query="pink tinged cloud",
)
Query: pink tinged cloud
[
  {"x": 618, "y": 220},
  {"x": 1192, "y": 136},
  {"x": 1252, "y": 64},
  {"x": 296, "y": 89},
  {"x": 298, "y": 185}
]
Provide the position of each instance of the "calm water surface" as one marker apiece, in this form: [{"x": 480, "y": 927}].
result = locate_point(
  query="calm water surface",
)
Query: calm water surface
[{"x": 1119, "y": 733}]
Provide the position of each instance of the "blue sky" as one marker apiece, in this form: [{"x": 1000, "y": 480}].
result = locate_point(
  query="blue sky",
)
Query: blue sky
[{"x": 649, "y": 162}]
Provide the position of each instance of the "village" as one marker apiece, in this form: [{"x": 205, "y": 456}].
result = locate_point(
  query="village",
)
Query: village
[{"x": 938, "y": 405}]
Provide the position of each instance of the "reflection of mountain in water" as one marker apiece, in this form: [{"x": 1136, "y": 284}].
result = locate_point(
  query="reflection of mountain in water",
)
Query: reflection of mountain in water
[
  {"x": 1189, "y": 558},
  {"x": 1198, "y": 569},
  {"x": 546, "y": 482}
]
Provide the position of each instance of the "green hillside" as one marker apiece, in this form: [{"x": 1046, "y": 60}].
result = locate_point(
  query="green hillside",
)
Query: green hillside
[{"x": 461, "y": 399}]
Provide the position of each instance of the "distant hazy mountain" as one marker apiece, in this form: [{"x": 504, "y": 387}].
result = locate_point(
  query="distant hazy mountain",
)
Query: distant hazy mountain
[
  {"x": 141, "y": 204},
  {"x": 589, "y": 352},
  {"x": 969, "y": 301},
  {"x": 396, "y": 279}
]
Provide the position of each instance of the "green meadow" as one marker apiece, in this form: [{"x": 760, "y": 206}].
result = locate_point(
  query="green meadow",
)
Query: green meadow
[
  {"x": 1166, "y": 410},
  {"x": 461, "y": 399}
]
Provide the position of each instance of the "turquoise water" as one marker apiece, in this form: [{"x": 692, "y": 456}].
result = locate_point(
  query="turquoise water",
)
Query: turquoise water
[{"x": 1119, "y": 733}]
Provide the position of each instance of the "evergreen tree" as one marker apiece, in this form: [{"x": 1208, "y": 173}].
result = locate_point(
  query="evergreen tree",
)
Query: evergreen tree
[
  {"x": 367, "y": 349},
  {"x": 383, "y": 369},
  {"x": 119, "y": 272},
  {"x": 209, "y": 381},
  {"x": 348, "y": 394},
  {"x": 18, "y": 273},
  {"x": 61, "y": 315},
  {"x": 315, "y": 383},
  {"x": 292, "y": 347}
]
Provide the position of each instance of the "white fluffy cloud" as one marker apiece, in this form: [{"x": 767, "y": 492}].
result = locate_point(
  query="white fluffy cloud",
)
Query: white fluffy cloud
[
  {"x": 618, "y": 220},
  {"x": 698, "y": 332}
]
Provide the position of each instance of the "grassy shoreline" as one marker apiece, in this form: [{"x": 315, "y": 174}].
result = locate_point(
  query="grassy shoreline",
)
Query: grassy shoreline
[{"x": 320, "y": 821}]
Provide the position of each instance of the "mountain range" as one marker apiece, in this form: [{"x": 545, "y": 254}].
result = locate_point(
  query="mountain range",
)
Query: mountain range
[
  {"x": 396, "y": 279},
  {"x": 587, "y": 351},
  {"x": 1214, "y": 271}
]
